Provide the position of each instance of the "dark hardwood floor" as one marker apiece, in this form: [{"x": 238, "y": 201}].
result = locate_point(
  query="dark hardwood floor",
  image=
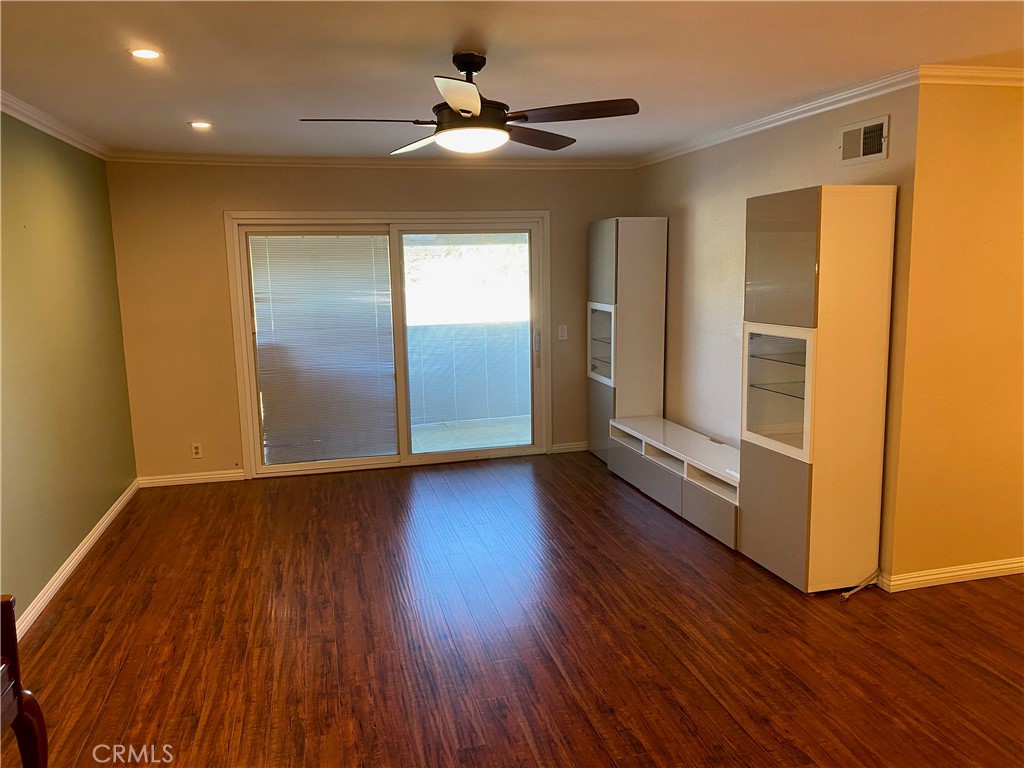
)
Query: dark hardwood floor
[{"x": 524, "y": 612}]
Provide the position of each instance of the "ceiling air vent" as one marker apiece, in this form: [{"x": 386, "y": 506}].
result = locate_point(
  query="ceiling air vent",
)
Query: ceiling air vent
[{"x": 864, "y": 142}]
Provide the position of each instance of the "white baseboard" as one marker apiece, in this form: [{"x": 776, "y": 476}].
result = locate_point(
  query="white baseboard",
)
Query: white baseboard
[
  {"x": 222, "y": 476},
  {"x": 902, "y": 581},
  {"x": 57, "y": 580},
  {"x": 570, "y": 447}
]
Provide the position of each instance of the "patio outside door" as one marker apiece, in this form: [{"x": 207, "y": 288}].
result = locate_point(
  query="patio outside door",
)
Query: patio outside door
[
  {"x": 469, "y": 340},
  {"x": 379, "y": 343}
]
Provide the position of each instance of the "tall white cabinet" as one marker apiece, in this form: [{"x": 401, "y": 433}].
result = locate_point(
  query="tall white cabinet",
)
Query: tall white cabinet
[
  {"x": 625, "y": 322},
  {"x": 816, "y": 346}
]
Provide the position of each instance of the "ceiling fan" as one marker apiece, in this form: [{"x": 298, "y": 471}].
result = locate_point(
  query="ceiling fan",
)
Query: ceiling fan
[{"x": 467, "y": 122}]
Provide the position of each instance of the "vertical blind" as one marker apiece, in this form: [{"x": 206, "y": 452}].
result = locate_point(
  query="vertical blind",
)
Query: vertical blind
[{"x": 324, "y": 346}]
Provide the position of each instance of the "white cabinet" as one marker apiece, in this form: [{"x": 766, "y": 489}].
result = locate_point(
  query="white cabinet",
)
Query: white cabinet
[
  {"x": 816, "y": 346},
  {"x": 625, "y": 322},
  {"x": 685, "y": 471}
]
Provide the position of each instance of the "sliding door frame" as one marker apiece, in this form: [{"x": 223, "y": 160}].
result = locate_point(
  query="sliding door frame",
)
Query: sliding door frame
[{"x": 238, "y": 225}]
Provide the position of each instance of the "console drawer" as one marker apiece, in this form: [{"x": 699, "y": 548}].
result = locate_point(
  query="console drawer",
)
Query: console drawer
[
  {"x": 654, "y": 480},
  {"x": 709, "y": 512}
]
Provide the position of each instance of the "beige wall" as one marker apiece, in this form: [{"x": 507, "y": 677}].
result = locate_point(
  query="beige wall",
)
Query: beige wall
[
  {"x": 173, "y": 279},
  {"x": 960, "y": 490},
  {"x": 67, "y": 443}
]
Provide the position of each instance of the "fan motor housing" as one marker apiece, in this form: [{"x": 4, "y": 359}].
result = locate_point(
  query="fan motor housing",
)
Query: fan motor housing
[
  {"x": 492, "y": 115},
  {"x": 469, "y": 63}
]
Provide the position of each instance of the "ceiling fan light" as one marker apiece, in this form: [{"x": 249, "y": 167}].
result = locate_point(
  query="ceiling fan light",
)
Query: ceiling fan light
[{"x": 471, "y": 140}]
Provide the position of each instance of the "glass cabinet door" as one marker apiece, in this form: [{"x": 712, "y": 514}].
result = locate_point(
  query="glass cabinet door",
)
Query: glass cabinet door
[
  {"x": 777, "y": 388},
  {"x": 600, "y": 333}
]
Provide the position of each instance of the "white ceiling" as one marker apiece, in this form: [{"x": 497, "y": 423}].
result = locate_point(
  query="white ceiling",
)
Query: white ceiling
[{"x": 254, "y": 68}]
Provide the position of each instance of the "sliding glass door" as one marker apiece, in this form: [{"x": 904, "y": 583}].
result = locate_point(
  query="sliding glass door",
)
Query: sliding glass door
[
  {"x": 387, "y": 343},
  {"x": 468, "y": 340}
]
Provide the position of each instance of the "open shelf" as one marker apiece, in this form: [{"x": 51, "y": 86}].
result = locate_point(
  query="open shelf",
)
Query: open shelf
[
  {"x": 711, "y": 483},
  {"x": 674, "y": 465},
  {"x": 632, "y": 442}
]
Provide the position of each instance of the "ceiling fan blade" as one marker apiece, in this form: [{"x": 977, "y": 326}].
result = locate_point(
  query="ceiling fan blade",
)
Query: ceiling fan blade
[
  {"x": 362, "y": 120},
  {"x": 415, "y": 145},
  {"x": 539, "y": 139},
  {"x": 462, "y": 96},
  {"x": 587, "y": 110}
]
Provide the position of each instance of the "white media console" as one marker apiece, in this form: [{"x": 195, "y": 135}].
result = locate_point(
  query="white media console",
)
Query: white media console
[{"x": 691, "y": 474}]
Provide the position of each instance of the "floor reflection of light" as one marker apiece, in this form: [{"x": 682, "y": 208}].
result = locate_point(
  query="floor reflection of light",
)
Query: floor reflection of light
[{"x": 486, "y": 514}]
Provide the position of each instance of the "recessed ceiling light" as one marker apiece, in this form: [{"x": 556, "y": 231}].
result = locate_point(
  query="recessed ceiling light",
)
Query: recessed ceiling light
[
  {"x": 145, "y": 53},
  {"x": 200, "y": 125}
]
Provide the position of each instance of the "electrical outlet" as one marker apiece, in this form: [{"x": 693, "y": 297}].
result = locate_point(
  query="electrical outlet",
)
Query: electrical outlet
[
  {"x": 197, "y": 450},
  {"x": 563, "y": 332}
]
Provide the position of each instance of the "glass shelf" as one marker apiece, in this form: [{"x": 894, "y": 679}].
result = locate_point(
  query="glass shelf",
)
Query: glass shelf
[
  {"x": 787, "y": 388},
  {"x": 789, "y": 358},
  {"x": 602, "y": 341},
  {"x": 605, "y": 360}
]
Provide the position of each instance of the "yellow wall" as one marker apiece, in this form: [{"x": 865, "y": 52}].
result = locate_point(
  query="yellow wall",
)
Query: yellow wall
[
  {"x": 67, "y": 443},
  {"x": 173, "y": 279},
  {"x": 960, "y": 489}
]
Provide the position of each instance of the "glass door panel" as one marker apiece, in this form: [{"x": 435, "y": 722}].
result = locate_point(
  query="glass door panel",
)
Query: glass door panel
[
  {"x": 777, "y": 387},
  {"x": 468, "y": 340},
  {"x": 325, "y": 360},
  {"x": 600, "y": 338}
]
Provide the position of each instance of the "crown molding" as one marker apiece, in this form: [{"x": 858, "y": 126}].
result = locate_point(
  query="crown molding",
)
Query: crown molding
[
  {"x": 905, "y": 78},
  {"x": 377, "y": 163},
  {"x": 38, "y": 119},
  {"x": 931, "y": 74},
  {"x": 935, "y": 74},
  {"x": 926, "y": 74}
]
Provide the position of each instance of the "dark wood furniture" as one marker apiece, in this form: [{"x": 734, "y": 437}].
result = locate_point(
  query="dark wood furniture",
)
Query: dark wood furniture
[{"x": 19, "y": 707}]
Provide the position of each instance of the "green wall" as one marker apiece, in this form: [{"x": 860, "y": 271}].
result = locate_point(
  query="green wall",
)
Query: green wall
[{"x": 66, "y": 452}]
